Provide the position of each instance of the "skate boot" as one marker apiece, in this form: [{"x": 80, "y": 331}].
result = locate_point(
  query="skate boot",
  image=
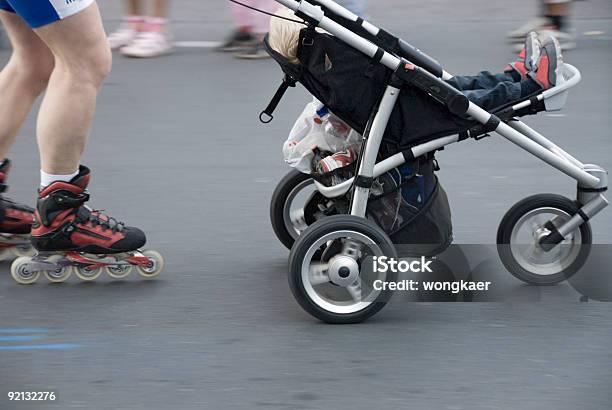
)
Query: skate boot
[
  {"x": 70, "y": 236},
  {"x": 15, "y": 221}
]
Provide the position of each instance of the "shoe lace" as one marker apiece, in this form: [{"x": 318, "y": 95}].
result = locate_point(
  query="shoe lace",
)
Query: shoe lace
[{"x": 96, "y": 217}]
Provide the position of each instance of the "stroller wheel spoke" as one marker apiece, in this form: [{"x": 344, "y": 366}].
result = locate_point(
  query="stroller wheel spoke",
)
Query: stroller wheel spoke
[
  {"x": 297, "y": 219},
  {"x": 351, "y": 248},
  {"x": 533, "y": 252},
  {"x": 355, "y": 290},
  {"x": 318, "y": 273}
]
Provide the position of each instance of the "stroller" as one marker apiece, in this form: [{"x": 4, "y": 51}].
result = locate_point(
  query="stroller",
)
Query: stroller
[{"x": 372, "y": 81}]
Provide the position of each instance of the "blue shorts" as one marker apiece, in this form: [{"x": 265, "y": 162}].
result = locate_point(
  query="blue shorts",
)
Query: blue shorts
[{"x": 38, "y": 13}]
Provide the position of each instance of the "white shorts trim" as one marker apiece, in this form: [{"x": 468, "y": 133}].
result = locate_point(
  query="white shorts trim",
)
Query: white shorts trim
[{"x": 67, "y": 8}]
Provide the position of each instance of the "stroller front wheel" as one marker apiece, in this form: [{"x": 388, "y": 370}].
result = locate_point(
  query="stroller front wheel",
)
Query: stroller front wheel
[
  {"x": 331, "y": 273},
  {"x": 522, "y": 228}
]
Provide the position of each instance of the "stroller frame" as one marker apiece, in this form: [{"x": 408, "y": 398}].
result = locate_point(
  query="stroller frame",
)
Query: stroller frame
[{"x": 418, "y": 69}]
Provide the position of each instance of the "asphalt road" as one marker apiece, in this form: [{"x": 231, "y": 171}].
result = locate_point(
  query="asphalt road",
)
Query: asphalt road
[{"x": 177, "y": 150}]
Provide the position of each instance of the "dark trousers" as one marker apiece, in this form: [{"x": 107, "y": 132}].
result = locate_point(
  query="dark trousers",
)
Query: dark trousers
[{"x": 489, "y": 91}]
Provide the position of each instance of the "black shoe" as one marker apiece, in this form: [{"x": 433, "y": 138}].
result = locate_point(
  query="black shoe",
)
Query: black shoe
[
  {"x": 238, "y": 41},
  {"x": 256, "y": 51}
]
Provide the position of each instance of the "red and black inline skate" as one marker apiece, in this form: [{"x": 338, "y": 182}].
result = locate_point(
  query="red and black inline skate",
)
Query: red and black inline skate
[
  {"x": 70, "y": 236},
  {"x": 15, "y": 221}
]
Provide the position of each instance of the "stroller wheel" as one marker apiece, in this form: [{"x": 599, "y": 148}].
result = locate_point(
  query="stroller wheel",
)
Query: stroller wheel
[
  {"x": 296, "y": 205},
  {"x": 339, "y": 288},
  {"x": 287, "y": 217},
  {"x": 521, "y": 230}
]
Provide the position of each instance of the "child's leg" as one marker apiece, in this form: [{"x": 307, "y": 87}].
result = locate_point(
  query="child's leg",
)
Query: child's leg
[
  {"x": 483, "y": 81},
  {"x": 501, "y": 94}
]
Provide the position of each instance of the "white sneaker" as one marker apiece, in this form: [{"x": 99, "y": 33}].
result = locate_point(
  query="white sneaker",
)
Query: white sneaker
[
  {"x": 122, "y": 37},
  {"x": 567, "y": 40},
  {"x": 532, "y": 25},
  {"x": 148, "y": 44}
]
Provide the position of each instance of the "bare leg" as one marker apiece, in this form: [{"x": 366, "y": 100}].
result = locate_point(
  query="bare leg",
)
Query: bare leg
[
  {"x": 557, "y": 9},
  {"x": 22, "y": 79},
  {"x": 133, "y": 8},
  {"x": 82, "y": 61},
  {"x": 134, "y": 11},
  {"x": 160, "y": 8}
]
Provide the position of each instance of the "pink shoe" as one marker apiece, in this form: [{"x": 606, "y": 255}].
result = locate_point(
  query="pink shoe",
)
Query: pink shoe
[{"x": 126, "y": 33}]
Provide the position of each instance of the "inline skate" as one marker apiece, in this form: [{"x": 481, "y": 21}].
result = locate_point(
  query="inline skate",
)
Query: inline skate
[
  {"x": 15, "y": 221},
  {"x": 71, "y": 237}
]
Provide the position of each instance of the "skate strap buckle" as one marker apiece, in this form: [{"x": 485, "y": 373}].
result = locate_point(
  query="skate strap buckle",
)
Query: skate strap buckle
[{"x": 71, "y": 201}]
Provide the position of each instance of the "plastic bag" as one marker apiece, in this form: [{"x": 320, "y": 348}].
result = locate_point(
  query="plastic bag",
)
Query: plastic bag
[{"x": 317, "y": 133}]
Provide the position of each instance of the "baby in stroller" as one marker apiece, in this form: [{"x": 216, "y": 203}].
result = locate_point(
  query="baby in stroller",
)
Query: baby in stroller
[{"x": 537, "y": 67}]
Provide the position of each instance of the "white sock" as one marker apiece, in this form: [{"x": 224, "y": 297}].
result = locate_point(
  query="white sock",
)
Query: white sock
[{"x": 48, "y": 179}]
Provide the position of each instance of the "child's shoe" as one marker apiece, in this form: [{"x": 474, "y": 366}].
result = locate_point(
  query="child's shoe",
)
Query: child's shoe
[
  {"x": 550, "y": 64},
  {"x": 528, "y": 57}
]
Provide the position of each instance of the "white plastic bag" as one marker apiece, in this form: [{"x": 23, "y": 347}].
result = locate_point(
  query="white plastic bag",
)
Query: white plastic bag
[{"x": 311, "y": 131}]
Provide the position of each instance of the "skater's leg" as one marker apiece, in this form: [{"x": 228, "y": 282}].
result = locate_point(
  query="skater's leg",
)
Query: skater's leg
[
  {"x": 82, "y": 61},
  {"x": 153, "y": 39},
  {"x": 161, "y": 9},
  {"x": 132, "y": 23},
  {"x": 257, "y": 25},
  {"x": 23, "y": 79},
  {"x": 133, "y": 8}
]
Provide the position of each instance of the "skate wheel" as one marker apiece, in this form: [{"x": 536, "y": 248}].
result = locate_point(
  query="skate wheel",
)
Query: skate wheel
[
  {"x": 5, "y": 254},
  {"x": 119, "y": 271},
  {"x": 21, "y": 273},
  {"x": 155, "y": 266},
  {"x": 88, "y": 273},
  {"x": 24, "y": 251},
  {"x": 60, "y": 273}
]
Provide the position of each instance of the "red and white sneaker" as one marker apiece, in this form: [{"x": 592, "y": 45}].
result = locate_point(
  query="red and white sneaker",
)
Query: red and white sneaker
[
  {"x": 527, "y": 60},
  {"x": 337, "y": 160},
  {"x": 550, "y": 64}
]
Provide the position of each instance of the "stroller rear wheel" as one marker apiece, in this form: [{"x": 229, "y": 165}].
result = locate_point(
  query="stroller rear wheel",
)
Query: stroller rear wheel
[
  {"x": 521, "y": 230},
  {"x": 296, "y": 204},
  {"x": 331, "y": 273},
  {"x": 288, "y": 218}
]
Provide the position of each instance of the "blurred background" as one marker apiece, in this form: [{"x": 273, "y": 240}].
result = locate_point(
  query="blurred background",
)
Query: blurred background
[{"x": 178, "y": 150}]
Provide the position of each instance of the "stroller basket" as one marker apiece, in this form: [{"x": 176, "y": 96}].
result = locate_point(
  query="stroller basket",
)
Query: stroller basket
[
  {"x": 407, "y": 202},
  {"x": 413, "y": 209}
]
